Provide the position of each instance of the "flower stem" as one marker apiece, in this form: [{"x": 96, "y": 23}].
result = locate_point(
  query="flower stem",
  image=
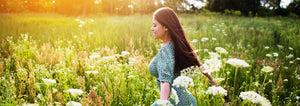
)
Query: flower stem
[{"x": 234, "y": 84}]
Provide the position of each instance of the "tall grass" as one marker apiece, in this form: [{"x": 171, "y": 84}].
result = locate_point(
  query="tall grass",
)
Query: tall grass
[{"x": 68, "y": 49}]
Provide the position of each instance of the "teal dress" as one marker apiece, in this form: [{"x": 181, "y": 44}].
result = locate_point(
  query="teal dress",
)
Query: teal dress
[{"x": 162, "y": 67}]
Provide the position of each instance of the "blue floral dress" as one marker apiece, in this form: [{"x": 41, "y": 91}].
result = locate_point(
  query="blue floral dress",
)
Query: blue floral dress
[{"x": 162, "y": 67}]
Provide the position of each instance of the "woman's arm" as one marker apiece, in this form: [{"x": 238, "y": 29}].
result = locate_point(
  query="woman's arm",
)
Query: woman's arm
[
  {"x": 210, "y": 78},
  {"x": 165, "y": 90}
]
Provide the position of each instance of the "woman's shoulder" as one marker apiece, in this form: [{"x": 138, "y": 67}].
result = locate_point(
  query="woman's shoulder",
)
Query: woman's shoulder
[{"x": 167, "y": 50}]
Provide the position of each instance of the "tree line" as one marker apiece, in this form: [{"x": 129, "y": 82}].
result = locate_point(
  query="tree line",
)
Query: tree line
[{"x": 127, "y": 7}]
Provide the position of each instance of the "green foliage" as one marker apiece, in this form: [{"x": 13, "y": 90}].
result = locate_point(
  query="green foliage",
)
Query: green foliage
[
  {"x": 293, "y": 15},
  {"x": 86, "y": 54},
  {"x": 232, "y": 12}
]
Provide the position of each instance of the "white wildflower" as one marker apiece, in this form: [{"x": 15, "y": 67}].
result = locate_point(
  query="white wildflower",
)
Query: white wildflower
[
  {"x": 267, "y": 69},
  {"x": 49, "y": 81},
  {"x": 91, "y": 72},
  {"x": 194, "y": 41},
  {"x": 268, "y": 55},
  {"x": 289, "y": 56},
  {"x": 213, "y": 38},
  {"x": 219, "y": 79},
  {"x": 80, "y": 25},
  {"x": 74, "y": 92},
  {"x": 77, "y": 19},
  {"x": 205, "y": 50},
  {"x": 73, "y": 103},
  {"x": 213, "y": 55},
  {"x": 183, "y": 81},
  {"x": 216, "y": 90},
  {"x": 297, "y": 58},
  {"x": 124, "y": 53},
  {"x": 286, "y": 68},
  {"x": 95, "y": 55},
  {"x": 290, "y": 48},
  {"x": 291, "y": 62},
  {"x": 30, "y": 105},
  {"x": 212, "y": 65},
  {"x": 221, "y": 50},
  {"x": 255, "y": 98},
  {"x": 275, "y": 54},
  {"x": 267, "y": 47},
  {"x": 251, "y": 95},
  {"x": 82, "y": 22},
  {"x": 39, "y": 96},
  {"x": 285, "y": 80},
  {"x": 237, "y": 62},
  {"x": 204, "y": 39},
  {"x": 91, "y": 33},
  {"x": 280, "y": 46},
  {"x": 164, "y": 103},
  {"x": 174, "y": 96},
  {"x": 54, "y": 90}
]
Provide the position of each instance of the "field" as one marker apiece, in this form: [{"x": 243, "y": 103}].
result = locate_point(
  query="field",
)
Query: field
[{"x": 53, "y": 59}]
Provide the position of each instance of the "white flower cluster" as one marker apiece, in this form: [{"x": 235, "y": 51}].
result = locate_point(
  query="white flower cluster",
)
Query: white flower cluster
[
  {"x": 183, "y": 81},
  {"x": 91, "y": 72},
  {"x": 74, "y": 92},
  {"x": 238, "y": 63},
  {"x": 267, "y": 69},
  {"x": 255, "y": 98},
  {"x": 95, "y": 55},
  {"x": 221, "y": 50},
  {"x": 72, "y": 103},
  {"x": 194, "y": 41},
  {"x": 164, "y": 103},
  {"x": 216, "y": 90},
  {"x": 204, "y": 39},
  {"x": 213, "y": 55},
  {"x": 49, "y": 82},
  {"x": 211, "y": 65}
]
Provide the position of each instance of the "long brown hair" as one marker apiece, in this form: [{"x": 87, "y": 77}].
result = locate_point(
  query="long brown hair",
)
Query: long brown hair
[{"x": 184, "y": 55}]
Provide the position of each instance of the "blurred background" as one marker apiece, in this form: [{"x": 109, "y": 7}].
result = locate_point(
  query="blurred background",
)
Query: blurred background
[{"x": 128, "y": 7}]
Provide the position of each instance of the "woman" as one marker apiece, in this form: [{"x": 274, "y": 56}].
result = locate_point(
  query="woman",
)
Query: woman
[{"x": 175, "y": 54}]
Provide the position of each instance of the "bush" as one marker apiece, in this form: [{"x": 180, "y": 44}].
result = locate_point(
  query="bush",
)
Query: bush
[
  {"x": 232, "y": 12},
  {"x": 293, "y": 15}
]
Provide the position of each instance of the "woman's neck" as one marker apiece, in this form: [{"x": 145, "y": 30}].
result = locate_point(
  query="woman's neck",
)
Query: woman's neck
[{"x": 167, "y": 39}]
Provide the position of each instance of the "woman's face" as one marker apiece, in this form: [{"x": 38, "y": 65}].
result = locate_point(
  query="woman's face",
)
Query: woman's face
[{"x": 158, "y": 30}]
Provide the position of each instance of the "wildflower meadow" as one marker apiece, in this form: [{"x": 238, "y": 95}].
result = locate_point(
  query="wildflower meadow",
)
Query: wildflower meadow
[{"x": 95, "y": 61}]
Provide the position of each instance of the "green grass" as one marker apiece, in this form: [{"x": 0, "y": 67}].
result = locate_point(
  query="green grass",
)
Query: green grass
[{"x": 55, "y": 47}]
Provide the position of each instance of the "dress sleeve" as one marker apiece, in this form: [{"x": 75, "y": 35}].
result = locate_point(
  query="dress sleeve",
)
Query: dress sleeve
[{"x": 166, "y": 65}]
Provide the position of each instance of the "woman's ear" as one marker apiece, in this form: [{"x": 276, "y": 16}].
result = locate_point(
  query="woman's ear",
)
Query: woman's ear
[{"x": 165, "y": 28}]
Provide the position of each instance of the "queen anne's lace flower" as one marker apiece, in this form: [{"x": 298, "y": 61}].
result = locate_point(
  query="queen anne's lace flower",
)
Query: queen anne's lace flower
[
  {"x": 221, "y": 50},
  {"x": 238, "y": 63},
  {"x": 267, "y": 69},
  {"x": 72, "y": 103},
  {"x": 74, "y": 92},
  {"x": 164, "y": 103},
  {"x": 204, "y": 39},
  {"x": 91, "y": 72},
  {"x": 255, "y": 98},
  {"x": 213, "y": 55},
  {"x": 216, "y": 90},
  {"x": 212, "y": 65},
  {"x": 49, "y": 81},
  {"x": 183, "y": 81}
]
